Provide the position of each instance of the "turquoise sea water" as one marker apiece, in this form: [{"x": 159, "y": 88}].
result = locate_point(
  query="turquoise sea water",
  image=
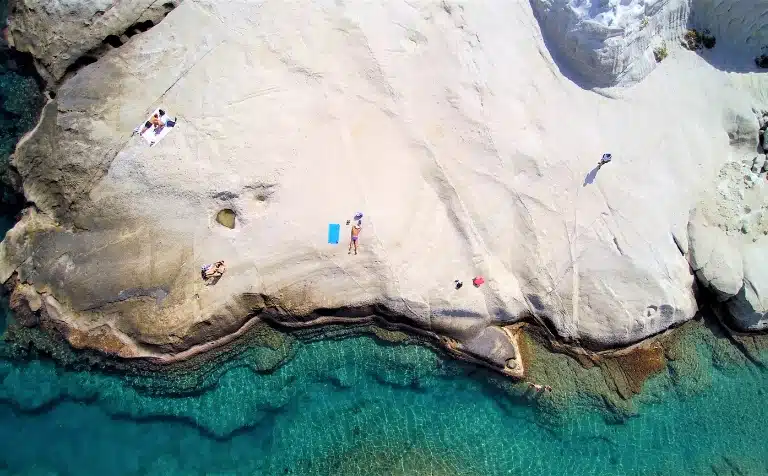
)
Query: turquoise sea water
[{"x": 356, "y": 406}]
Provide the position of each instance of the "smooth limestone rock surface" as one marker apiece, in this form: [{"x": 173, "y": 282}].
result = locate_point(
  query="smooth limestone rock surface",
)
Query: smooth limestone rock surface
[
  {"x": 729, "y": 241},
  {"x": 447, "y": 123}
]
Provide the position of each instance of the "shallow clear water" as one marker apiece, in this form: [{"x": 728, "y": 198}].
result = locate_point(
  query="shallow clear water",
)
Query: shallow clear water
[{"x": 354, "y": 406}]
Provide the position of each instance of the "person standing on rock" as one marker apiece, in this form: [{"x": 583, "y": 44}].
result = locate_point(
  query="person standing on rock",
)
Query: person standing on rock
[{"x": 354, "y": 235}]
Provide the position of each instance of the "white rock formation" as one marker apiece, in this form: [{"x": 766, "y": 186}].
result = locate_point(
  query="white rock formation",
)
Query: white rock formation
[
  {"x": 716, "y": 259},
  {"x": 607, "y": 42},
  {"x": 446, "y": 123},
  {"x": 749, "y": 308},
  {"x": 729, "y": 241}
]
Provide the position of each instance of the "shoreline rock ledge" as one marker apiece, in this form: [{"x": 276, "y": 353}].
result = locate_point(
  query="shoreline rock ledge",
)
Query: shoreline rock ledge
[{"x": 447, "y": 123}]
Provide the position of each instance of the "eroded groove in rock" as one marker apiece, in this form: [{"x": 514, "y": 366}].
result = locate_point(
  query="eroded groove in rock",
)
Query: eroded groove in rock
[
  {"x": 65, "y": 36},
  {"x": 602, "y": 44}
]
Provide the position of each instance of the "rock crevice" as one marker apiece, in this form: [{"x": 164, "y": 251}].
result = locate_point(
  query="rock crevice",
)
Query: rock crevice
[{"x": 65, "y": 36}]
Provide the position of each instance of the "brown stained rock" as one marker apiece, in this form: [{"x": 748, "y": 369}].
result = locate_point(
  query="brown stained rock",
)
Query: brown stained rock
[
  {"x": 102, "y": 338},
  {"x": 630, "y": 370},
  {"x": 26, "y": 303},
  {"x": 524, "y": 347},
  {"x": 586, "y": 361},
  {"x": 545, "y": 367},
  {"x": 614, "y": 376}
]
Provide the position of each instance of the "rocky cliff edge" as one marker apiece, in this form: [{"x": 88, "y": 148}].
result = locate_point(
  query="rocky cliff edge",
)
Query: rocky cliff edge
[{"x": 447, "y": 124}]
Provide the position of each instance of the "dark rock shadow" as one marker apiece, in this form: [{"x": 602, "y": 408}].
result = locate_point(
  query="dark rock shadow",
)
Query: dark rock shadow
[
  {"x": 591, "y": 176},
  {"x": 749, "y": 318},
  {"x": 565, "y": 64},
  {"x": 725, "y": 58},
  {"x": 460, "y": 313}
]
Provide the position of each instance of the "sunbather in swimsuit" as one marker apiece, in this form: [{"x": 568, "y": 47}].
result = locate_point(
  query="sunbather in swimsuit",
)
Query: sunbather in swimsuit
[
  {"x": 354, "y": 236},
  {"x": 153, "y": 121},
  {"x": 211, "y": 271}
]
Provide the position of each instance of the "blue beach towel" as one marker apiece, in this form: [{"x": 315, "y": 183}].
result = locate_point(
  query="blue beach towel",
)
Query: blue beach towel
[{"x": 334, "y": 229}]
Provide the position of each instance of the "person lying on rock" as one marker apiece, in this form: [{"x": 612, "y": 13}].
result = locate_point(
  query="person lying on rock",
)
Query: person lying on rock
[
  {"x": 218, "y": 269},
  {"x": 213, "y": 271},
  {"x": 141, "y": 130},
  {"x": 164, "y": 122},
  {"x": 153, "y": 121},
  {"x": 167, "y": 121}
]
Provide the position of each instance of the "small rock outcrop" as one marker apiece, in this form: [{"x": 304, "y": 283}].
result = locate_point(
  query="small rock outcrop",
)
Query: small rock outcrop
[
  {"x": 716, "y": 258},
  {"x": 729, "y": 241},
  {"x": 64, "y": 34}
]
